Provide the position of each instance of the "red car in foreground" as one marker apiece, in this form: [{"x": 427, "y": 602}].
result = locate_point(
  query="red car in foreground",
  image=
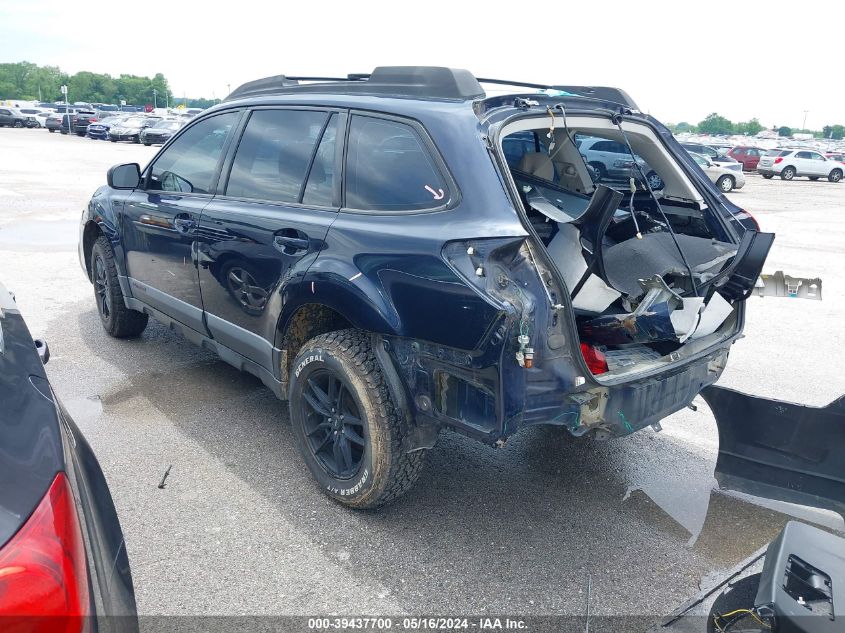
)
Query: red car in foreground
[{"x": 748, "y": 156}]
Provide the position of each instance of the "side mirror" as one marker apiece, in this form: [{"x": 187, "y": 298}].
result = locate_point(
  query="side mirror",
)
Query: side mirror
[
  {"x": 43, "y": 350},
  {"x": 127, "y": 176}
]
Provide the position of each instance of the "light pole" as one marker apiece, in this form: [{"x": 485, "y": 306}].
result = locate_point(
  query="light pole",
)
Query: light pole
[
  {"x": 804, "y": 126},
  {"x": 155, "y": 103}
]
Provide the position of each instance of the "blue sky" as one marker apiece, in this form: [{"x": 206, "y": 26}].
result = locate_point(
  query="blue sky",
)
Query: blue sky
[{"x": 679, "y": 60}]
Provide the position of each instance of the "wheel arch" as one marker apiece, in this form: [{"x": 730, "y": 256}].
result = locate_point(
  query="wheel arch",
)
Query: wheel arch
[{"x": 316, "y": 307}]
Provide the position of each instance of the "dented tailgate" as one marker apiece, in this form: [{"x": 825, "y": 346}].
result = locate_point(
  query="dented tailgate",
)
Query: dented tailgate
[{"x": 780, "y": 450}]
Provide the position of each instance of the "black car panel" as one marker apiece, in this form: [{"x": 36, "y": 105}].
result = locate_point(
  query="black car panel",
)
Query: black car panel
[{"x": 39, "y": 445}]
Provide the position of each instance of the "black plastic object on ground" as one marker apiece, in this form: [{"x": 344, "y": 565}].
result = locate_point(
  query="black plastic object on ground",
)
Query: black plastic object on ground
[{"x": 780, "y": 450}]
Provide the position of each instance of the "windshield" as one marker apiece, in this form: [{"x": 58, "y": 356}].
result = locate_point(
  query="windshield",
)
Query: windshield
[{"x": 779, "y": 152}]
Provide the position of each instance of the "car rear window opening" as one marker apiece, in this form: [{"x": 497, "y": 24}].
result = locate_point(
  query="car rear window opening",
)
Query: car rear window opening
[{"x": 632, "y": 238}]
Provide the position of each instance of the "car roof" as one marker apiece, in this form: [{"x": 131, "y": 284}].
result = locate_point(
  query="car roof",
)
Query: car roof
[{"x": 419, "y": 87}]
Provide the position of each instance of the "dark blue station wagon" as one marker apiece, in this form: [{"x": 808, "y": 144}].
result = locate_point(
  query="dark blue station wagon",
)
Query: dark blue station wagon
[{"x": 396, "y": 253}]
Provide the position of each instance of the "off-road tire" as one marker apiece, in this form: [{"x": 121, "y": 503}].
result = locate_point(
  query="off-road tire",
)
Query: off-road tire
[
  {"x": 385, "y": 470},
  {"x": 835, "y": 175},
  {"x": 788, "y": 173},
  {"x": 118, "y": 320},
  {"x": 725, "y": 184}
]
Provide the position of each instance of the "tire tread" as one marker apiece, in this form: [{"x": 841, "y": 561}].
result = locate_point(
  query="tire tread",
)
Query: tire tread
[{"x": 403, "y": 468}]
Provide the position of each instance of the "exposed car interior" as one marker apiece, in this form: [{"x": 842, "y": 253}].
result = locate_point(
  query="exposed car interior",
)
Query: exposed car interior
[{"x": 632, "y": 237}]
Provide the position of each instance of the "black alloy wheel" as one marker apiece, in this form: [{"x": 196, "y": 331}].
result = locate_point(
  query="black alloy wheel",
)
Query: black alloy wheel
[
  {"x": 334, "y": 431},
  {"x": 101, "y": 287}
]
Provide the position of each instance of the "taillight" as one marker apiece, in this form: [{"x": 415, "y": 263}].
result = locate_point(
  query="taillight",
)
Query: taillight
[
  {"x": 750, "y": 217},
  {"x": 43, "y": 571},
  {"x": 92, "y": 120},
  {"x": 779, "y": 159},
  {"x": 596, "y": 361}
]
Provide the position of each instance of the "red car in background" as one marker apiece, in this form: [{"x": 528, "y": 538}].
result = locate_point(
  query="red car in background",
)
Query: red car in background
[
  {"x": 840, "y": 156},
  {"x": 748, "y": 156}
]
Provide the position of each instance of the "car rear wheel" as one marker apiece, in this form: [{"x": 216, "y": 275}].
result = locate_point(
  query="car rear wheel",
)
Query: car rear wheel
[
  {"x": 725, "y": 184},
  {"x": 835, "y": 175},
  {"x": 599, "y": 171},
  {"x": 50, "y": 130},
  {"x": 18, "y": 123},
  {"x": 346, "y": 424},
  {"x": 118, "y": 320},
  {"x": 788, "y": 173}
]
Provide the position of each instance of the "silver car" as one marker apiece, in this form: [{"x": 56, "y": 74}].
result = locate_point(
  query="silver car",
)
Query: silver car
[{"x": 726, "y": 178}]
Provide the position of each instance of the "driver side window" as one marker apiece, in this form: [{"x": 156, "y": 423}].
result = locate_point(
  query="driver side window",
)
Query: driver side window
[{"x": 189, "y": 164}]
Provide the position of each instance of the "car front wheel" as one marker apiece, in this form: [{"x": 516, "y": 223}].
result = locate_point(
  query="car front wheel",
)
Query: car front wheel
[
  {"x": 725, "y": 184},
  {"x": 835, "y": 175},
  {"x": 788, "y": 173},
  {"x": 346, "y": 424},
  {"x": 118, "y": 320}
]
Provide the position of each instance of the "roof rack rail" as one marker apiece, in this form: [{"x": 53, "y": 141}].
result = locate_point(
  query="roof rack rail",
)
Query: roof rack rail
[
  {"x": 435, "y": 82},
  {"x": 601, "y": 93}
]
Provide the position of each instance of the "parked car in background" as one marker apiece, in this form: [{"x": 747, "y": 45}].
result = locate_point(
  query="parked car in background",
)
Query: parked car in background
[
  {"x": 612, "y": 161},
  {"x": 100, "y": 129},
  {"x": 53, "y": 122},
  {"x": 12, "y": 117},
  {"x": 42, "y": 116},
  {"x": 747, "y": 156},
  {"x": 725, "y": 178},
  {"x": 82, "y": 120},
  {"x": 63, "y": 559},
  {"x": 791, "y": 163},
  {"x": 161, "y": 132},
  {"x": 33, "y": 114},
  {"x": 130, "y": 129},
  {"x": 837, "y": 156},
  {"x": 711, "y": 152}
]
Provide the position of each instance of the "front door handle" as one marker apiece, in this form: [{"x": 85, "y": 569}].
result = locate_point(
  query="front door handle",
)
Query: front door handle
[{"x": 289, "y": 245}]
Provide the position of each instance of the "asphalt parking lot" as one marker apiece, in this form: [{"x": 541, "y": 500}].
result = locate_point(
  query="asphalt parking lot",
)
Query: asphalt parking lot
[{"x": 241, "y": 528}]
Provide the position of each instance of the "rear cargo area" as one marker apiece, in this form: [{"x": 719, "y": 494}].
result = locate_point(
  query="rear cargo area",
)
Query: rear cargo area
[{"x": 646, "y": 262}]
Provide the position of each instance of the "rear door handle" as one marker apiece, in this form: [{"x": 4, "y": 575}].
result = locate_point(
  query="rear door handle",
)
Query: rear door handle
[{"x": 284, "y": 242}]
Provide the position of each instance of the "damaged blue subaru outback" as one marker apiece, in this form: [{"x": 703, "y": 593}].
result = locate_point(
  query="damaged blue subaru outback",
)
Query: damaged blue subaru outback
[{"x": 398, "y": 253}]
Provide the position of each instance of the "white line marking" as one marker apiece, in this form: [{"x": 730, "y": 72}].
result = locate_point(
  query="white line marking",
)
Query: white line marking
[{"x": 354, "y": 277}]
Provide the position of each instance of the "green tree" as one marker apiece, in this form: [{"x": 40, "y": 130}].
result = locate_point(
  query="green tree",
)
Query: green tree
[
  {"x": 784, "y": 131},
  {"x": 836, "y": 132},
  {"x": 716, "y": 124},
  {"x": 751, "y": 128},
  {"x": 682, "y": 127}
]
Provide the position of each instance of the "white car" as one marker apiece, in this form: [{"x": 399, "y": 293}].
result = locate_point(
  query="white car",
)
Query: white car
[
  {"x": 789, "y": 163},
  {"x": 726, "y": 178}
]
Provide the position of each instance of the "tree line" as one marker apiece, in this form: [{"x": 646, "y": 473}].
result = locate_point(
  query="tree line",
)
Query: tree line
[
  {"x": 716, "y": 124},
  {"x": 29, "y": 82}
]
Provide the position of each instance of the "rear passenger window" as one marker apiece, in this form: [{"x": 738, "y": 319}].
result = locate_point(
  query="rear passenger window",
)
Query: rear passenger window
[
  {"x": 389, "y": 169},
  {"x": 274, "y": 154}
]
